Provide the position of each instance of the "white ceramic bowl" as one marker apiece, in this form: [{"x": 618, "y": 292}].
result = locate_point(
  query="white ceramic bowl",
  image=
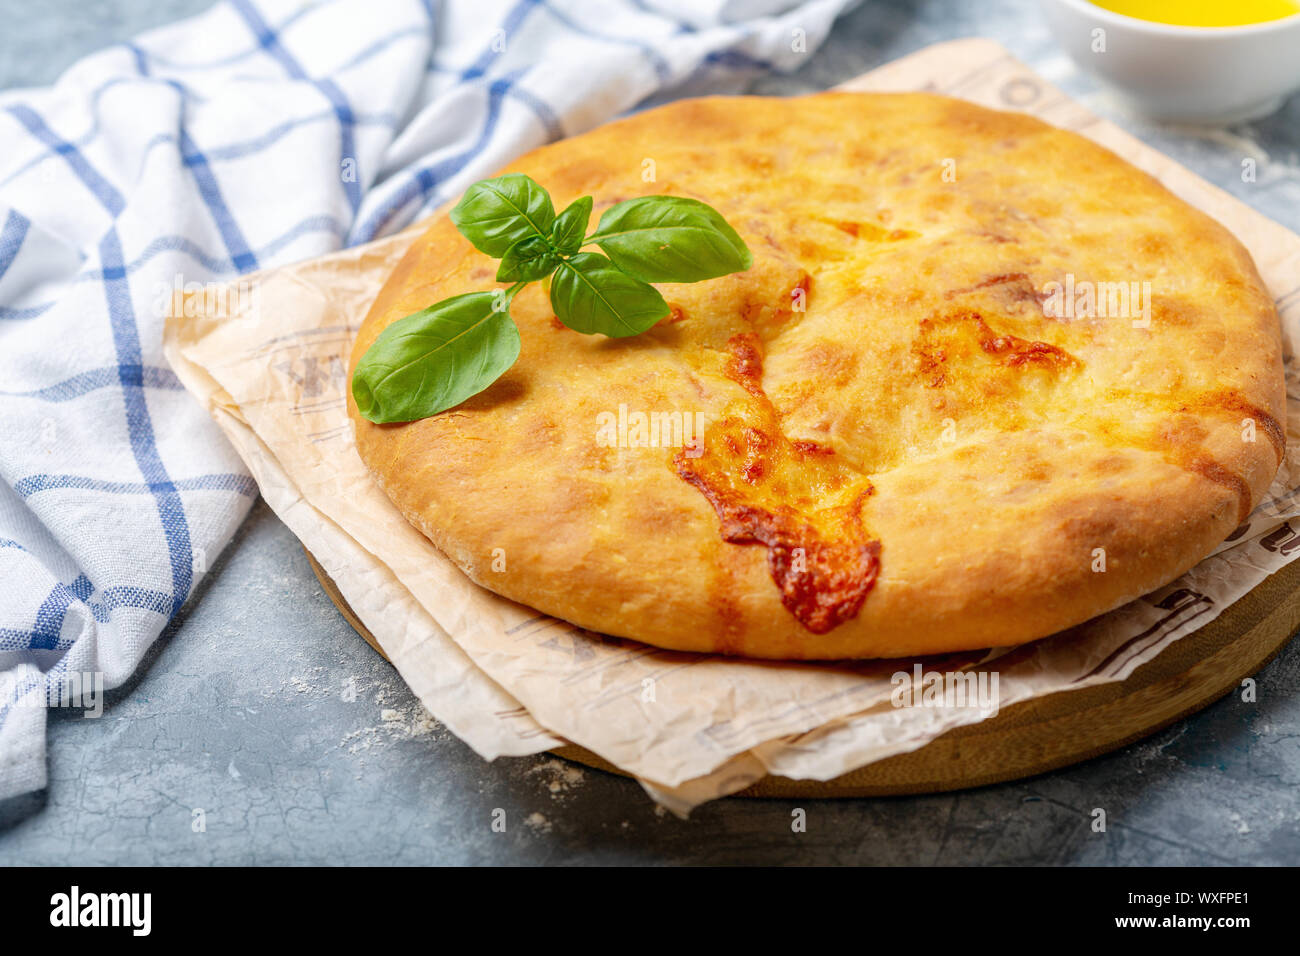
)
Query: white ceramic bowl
[{"x": 1212, "y": 75}]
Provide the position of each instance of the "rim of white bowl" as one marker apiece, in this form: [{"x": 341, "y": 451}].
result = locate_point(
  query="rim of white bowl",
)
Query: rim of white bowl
[{"x": 1089, "y": 8}]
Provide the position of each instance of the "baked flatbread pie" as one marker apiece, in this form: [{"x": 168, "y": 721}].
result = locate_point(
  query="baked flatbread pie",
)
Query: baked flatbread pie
[{"x": 983, "y": 381}]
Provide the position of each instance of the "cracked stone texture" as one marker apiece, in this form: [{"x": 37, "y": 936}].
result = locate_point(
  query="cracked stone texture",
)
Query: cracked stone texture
[{"x": 262, "y": 709}]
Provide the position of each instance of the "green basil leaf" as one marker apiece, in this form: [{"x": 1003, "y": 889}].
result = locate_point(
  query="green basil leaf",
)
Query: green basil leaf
[
  {"x": 590, "y": 295},
  {"x": 434, "y": 359},
  {"x": 532, "y": 257},
  {"x": 670, "y": 239},
  {"x": 571, "y": 225},
  {"x": 494, "y": 214}
]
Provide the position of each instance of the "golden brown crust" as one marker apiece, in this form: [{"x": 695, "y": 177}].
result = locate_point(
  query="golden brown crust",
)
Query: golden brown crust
[{"x": 903, "y": 452}]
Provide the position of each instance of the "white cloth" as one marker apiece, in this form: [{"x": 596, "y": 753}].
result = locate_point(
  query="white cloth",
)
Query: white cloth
[{"x": 262, "y": 132}]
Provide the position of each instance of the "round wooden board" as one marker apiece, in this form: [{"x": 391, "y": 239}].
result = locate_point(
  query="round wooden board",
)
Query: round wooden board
[{"x": 1050, "y": 732}]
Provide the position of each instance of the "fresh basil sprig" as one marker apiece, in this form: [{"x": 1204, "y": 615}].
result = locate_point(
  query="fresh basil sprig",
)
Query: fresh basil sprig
[{"x": 434, "y": 359}]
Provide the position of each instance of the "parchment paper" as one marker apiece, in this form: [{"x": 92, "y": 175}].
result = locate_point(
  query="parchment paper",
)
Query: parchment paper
[{"x": 508, "y": 680}]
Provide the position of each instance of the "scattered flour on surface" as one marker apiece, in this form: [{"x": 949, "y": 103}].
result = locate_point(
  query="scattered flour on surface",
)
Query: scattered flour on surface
[
  {"x": 300, "y": 685},
  {"x": 538, "y": 823},
  {"x": 558, "y": 777},
  {"x": 410, "y": 721},
  {"x": 397, "y": 723},
  {"x": 315, "y": 682}
]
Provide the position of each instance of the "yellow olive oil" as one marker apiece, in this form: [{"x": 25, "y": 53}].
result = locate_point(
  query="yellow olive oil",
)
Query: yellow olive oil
[{"x": 1204, "y": 13}]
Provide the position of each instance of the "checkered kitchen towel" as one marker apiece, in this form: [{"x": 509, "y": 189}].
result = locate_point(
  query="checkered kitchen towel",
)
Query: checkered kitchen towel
[{"x": 259, "y": 133}]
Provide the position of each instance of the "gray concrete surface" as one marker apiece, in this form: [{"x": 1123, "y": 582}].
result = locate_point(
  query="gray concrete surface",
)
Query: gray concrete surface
[{"x": 262, "y": 709}]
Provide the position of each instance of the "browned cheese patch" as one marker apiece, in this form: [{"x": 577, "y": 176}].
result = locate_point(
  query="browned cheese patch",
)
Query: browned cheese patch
[{"x": 795, "y": 498}]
